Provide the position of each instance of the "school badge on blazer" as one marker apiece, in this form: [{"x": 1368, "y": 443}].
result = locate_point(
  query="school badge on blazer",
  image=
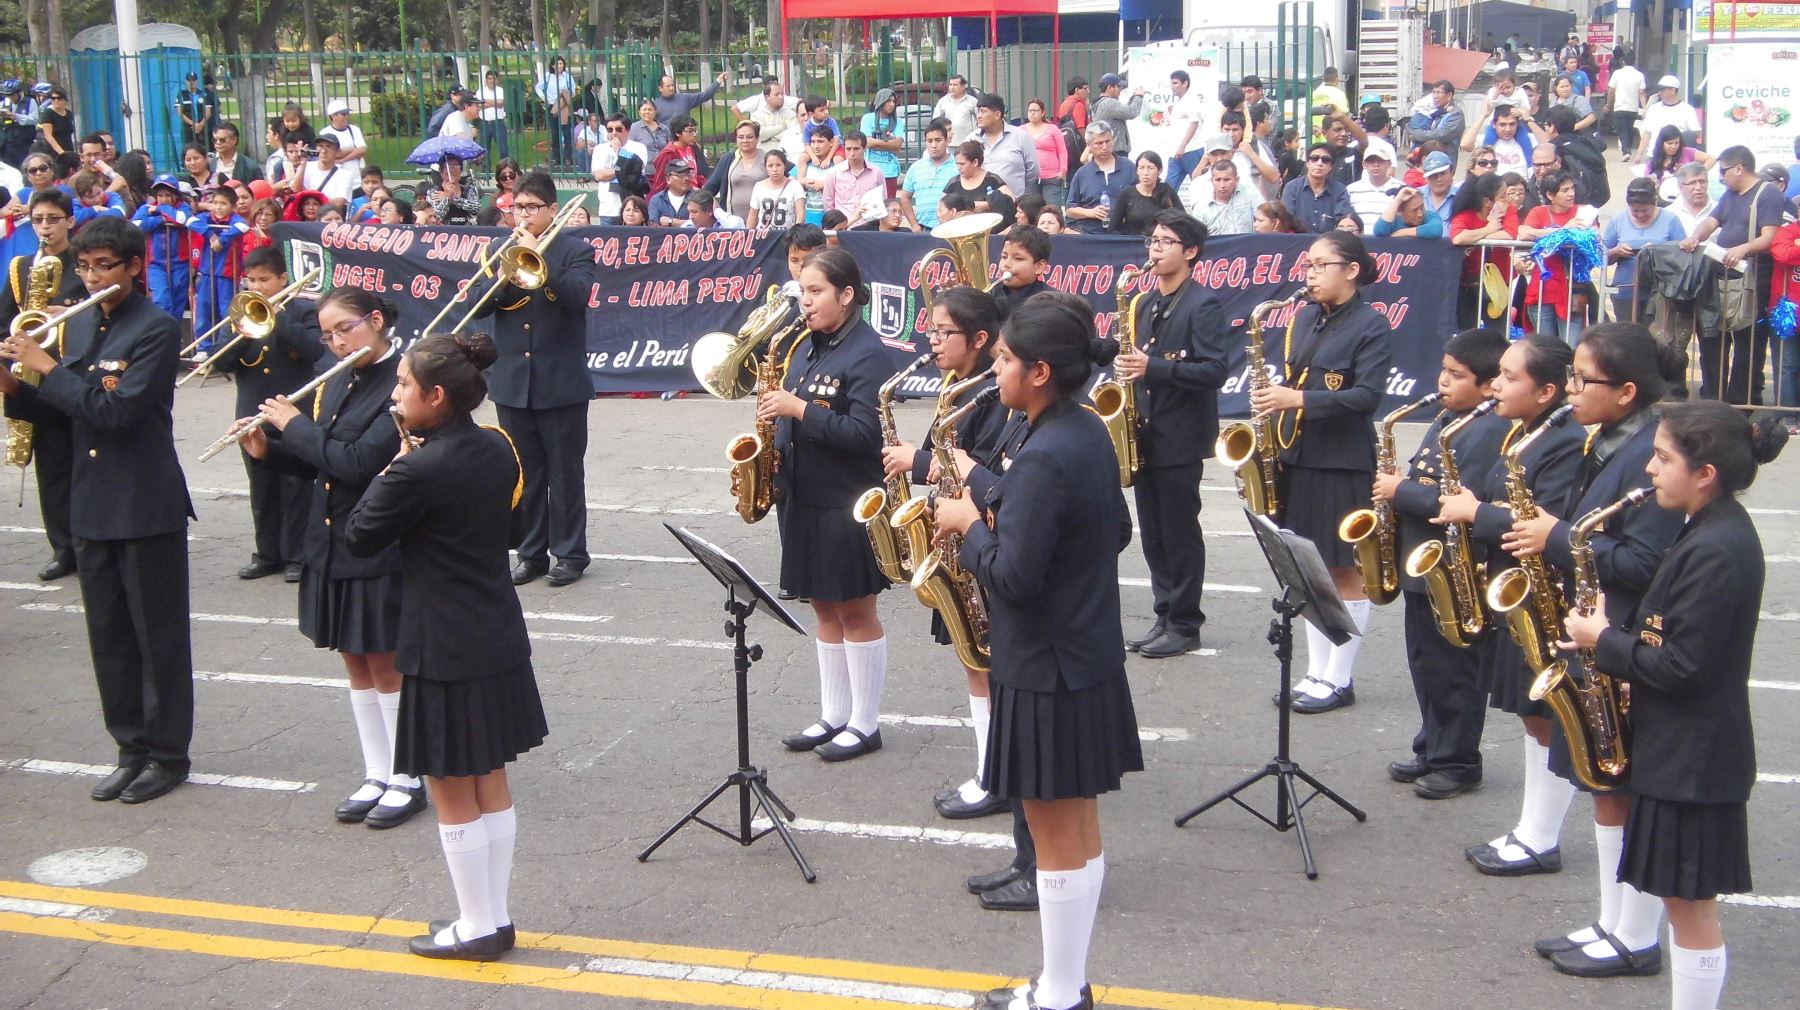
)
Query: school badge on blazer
[
  {"x": 1334, "y": 381},
  {"x": 110, "y": 382},
  {"x": 1651, "y": 638}
]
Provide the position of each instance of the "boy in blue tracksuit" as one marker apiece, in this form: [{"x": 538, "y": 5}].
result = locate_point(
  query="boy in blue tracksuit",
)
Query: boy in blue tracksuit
[
  {"x": 164, "y": 220},
  {"x": 216, "y": 281}
]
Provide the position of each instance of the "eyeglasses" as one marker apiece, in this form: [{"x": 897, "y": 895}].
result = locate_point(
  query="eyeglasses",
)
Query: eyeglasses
[
  {"x": 343, "y": 330},
  {"x": 1159, "y": 242},
  {"x": 1319, "y": 159},
  {"x": 93, "y": 267},
  {"x": 527, "y": 208},
  {"x": 943, "y": 333},
  {"x": 1578, "y": 382},
  {"x": 1318, "y": 266},
  {"x": 49, "y": 219},
  {"x": 1485, "y": 163}
]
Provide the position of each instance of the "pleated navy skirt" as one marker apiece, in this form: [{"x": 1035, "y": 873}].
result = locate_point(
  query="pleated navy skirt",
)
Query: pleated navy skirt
[
  {"x": 1314, "y": 502},
  {"x": 358, "y": 616},
  {"x": 450, "y": 729},
  {"x": 825, "y": 555},
  {"x": 1060, "y": 745},
  {"x": 1506, "y": 676},
  {"x": 1694, "y": 851}
]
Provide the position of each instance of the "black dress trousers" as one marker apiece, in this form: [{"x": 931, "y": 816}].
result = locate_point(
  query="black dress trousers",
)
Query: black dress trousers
[
  {"x": 280, "y": 504},
  {"x": 1452, "y": 704},
  {"x": 136, "y": 595},
  {"x": 1168, "y": 509},
  {"x": 52, "y": 451},
  {"x": 552, "y": 514}
]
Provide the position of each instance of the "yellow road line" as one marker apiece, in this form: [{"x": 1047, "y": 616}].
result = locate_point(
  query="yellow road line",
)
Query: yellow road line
[{"x": 860, "y": 971}]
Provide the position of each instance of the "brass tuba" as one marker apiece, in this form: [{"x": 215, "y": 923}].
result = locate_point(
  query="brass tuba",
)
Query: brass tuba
[
  {"x": 45, "y": 278},
  {"x": 1115, "y": 401},
  {"x": 1372, "y": 531},
  {"x": 1248, "y": 447},
  {"x": 875, "y": 508},
  {"x": 1592, "y": 710},
  {"x": 940, "y": 580},
  {"x": 727, "y": 367},
  {"x": 967, "y": 253},
  {"x": 1524, "y": 595},
  {"x": 1448, "y": 565}
]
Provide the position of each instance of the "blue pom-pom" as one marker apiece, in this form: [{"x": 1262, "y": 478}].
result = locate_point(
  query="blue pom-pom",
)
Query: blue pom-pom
[
  {"x": 1585, "y": 253},
  {"x": 1515, "y": 333},
  {"x": 1781, "y": 319}
]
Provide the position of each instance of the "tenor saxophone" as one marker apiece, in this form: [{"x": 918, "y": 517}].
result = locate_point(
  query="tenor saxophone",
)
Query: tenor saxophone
[
  {"x": 1448, "y": 565},
  {"x": 45, "y": 278},
  {"x": 1524, "y": 595},
  {"x": 940, "y": 580},
  {"x": 1371, "y": 531},
  {"x": 1115, "y": 401},
  {"x": 1591, "y": 710},
  {"x": 875, "y": 508},
  {"x": 1248, "y": 447}
]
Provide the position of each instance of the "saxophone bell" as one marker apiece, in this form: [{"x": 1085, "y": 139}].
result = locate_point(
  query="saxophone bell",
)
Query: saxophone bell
[{"x": 1373, "y": 532}]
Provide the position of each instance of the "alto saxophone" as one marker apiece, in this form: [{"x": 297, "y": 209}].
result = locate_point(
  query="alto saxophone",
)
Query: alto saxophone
[
  {"x": 875, "y": 508},
  {"x": 1372, "y": 530},
  {"x": 912, "y": 521},
  {"x": 753, "y": 456},
  {"x": 1248, "y": 447},
  {"x": 1448, "y": 565},
  {"x": 1591, "y": 710},
  {"x": 1115, "y": 401},
  {"x": 45, "y": 278},
  {"x": 940, "y": 580},
  {"x": 1524, "y": 595}
]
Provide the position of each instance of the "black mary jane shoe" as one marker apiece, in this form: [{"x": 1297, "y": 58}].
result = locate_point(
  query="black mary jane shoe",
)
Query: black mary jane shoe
[
  {"x": 1559, "y": 944},
  {"x": 509, "y": 937},
  {"x": 1488, "y": 860},
  {"x": 1002, "y": 999},
  {"x": 1340, "y": 697},
  {"x": 838, "y": 752},
  {"x": 804, "y": 741},
  {"x": 1156, "y": 632},
  {"x": 1627, "y": 962},
  {"x": 955, "y": 808},
  {"x": 1408, "y": 771},
  {"x": 983, "y": 882},
  {"x": 156, "y": 780},
  {"x": 352, "y": 811},
  {"x": 1293, "y": 692},
  {"x": 111, "y": 786},
  {"x": 382, "y": 818},
  {"x": 1020, "y": 895},
  {"x": 482, "y": 948}
]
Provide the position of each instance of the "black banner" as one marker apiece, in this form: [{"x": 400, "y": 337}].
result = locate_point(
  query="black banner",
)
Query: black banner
[{"x": 661, "y": 289}]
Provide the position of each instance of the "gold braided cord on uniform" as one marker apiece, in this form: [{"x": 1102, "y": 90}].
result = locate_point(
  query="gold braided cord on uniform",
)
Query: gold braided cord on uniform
[
  {"x": 519, "y": 485},
  {"x": 1287, "y": 357}
]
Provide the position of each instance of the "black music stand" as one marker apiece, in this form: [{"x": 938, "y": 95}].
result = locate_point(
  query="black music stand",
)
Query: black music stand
[
  {"x": 742, "y": 596},
  {"x": 1306, "y": 590}
]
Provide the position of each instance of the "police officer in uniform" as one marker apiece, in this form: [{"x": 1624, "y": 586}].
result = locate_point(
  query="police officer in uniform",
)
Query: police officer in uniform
[
  {"x": 116, "y": 384},
  {"x": 541, "y": 388},
  {"x": 265, "y": 369},
  {"x": 51, "y": 213},
  {"x": 1178, "y": 366}
]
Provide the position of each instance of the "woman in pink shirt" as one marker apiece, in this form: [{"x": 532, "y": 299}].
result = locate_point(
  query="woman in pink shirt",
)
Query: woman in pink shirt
[{"x": 1052, "y": 154}]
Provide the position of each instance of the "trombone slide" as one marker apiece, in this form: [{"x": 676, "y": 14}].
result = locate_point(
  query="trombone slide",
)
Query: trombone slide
[{"x": 45, "y": 332}]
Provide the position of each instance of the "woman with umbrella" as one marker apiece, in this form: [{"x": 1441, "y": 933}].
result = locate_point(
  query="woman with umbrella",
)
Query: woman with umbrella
[{"x": 453, "y": 196}]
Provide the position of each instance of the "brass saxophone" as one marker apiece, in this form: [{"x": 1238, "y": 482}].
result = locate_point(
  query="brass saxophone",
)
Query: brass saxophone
[
  {"x": 1524, "y": 595},
  {"x": 1591, "y": 710},
  {"x": 876, "y": 506},
  {"x": 1115, "y": 401},
  {"x": 1448, "y": 565},
  {"x": 1372, "y": 530},
  {"x": 45, "y": 278},
  {"x": 940, "y": 580},
  {"x": 754, "y": 458},
  {"x": 912, "y": 521},
  {"x": 1248, "y": 447}
]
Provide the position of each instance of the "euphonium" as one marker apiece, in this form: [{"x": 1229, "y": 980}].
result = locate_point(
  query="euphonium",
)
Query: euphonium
[
  {"x": 1114, "y": 401},
  {"x": 1372, "y": 531},
  {"x": 876, "y": 507},
  {"x": 1248, "y": 447},
  {"x": 1448, "y": 565},
  {"x": 968, "y": 254},
  {"x": 1524, "y": 595},
  {"x": 1591, "y": 710},
  {"x": 45, "y": 278},
  {"x": 940, "y": 580}
]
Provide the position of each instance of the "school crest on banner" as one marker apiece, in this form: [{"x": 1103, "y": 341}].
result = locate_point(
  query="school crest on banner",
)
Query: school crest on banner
[{"x": 887, "y": 314}]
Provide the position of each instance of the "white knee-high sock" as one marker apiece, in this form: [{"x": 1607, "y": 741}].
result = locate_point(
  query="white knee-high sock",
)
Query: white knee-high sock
[
  {"x": 1547, "y": 799},
  {"x": 1340, "y": 671},
  {"x": 502, "y": 832},
  {"x": 979, "y": 714},
  {"x": 1066, "y": 922},
  {"x": 868, "y": 675},
  {"x": 1096, "y": 871},
  {"x": 834, "y": 684},
  {"x": 377, "y": 753},
  {"x": 390, "y": 721},
  {"x": 465, "y": 851},
  {"x": 1318, "y": 652},
  {"x": 1609, "y": 843},
  {"x": 1697, "y": 979},
  {"x": 1640, "y": 915}
]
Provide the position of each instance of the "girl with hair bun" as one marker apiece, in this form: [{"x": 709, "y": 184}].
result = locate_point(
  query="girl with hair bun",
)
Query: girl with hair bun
[
  {"x": 1619, "y": 374},
  {"x": 1334, "y": 359},
  {"x": 1047, "y": 555},
  {"x": 829, "y": 435},
  {"x": 350, "y": 603},
  {"x": 1686, "y": 655},
  {"x": 469, "y": 705}
]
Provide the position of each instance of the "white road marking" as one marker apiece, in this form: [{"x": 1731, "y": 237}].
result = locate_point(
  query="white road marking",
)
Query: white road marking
[
  {"x": 57, "y": 909},
  {"x": 1209, "y": 587},
  {"x": 685, "y": 469},
  {"x": 655, "y": 559},
  {"x": 1776, "y": 685},
  {"x": 76, "y": 608},
  {"x": 842, "y": 988},
  {"x": 86, "y": 867},
  {"x": 21, "y": 529},
  {"x": 1786, "y": 617},
  {"x": 1146, "y": 734},
  {"x": 198, "y": 778},
  {"x": 276, "y": 679},
  {"x": 571, "y": 618},
  {"x": 1778, "y": 778},
  {"x": 29, "y": 587},
  {"x": 221, "y": 492},
  {"x": 1781, "y": 559},
  {"x": 1773, "y": 512},
  {"x": 896, "y": 832},
  {"x": 1761, "y": 900}
]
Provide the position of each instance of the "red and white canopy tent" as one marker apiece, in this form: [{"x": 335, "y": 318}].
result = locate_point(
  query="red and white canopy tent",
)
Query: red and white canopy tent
[{"x": 900, "y": 10}]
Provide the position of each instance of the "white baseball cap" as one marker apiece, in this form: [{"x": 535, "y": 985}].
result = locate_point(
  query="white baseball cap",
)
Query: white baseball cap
[
  {"x": 1669, "y": 81},
  {"x": 336, "y": 106},
  {"x": 1379, "y": 148}
]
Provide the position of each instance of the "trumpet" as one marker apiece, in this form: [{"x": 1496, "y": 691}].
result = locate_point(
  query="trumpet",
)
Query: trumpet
[
  {"x": 252, "y": 317},
  {"x": 510, "y": 263},
  {"x": 238, "y": 431}
]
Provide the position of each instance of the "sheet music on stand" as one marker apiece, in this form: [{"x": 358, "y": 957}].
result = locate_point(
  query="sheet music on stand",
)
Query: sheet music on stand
[{"x": 1302, "y": 575}]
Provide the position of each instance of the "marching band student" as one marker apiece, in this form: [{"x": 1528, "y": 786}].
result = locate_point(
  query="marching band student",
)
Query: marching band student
[
  {"x": 116, "y": 385},
  {"x": 1024, "y": 257},
  {"x": 469, "y": 705},
  {"x": 1529, "y": 388},
  {"x": 1446, "y": 751},
  {"x": 1047, "y": 554},
  {"x": 348, "y": 603},
  {"x": 1619, "y": 375},
  {"x": 542, "y": 390},
  {"x": 264, "y": 369},
  {"x": 829, "y": 436},
  {"x": 165, "y": 219},
  {"x": 1335, "y": 360},
  {"x": 1686, "y": 656},
  {"x": 965, "y": 322},
  {"x": 1179, "y": 364}
]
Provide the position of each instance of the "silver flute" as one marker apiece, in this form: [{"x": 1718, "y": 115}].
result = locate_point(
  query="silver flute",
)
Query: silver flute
[{"x": 236, "y": 434}]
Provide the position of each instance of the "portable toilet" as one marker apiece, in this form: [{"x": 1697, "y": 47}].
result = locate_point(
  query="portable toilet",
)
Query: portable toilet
[{"x": 167, "y": 54}]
